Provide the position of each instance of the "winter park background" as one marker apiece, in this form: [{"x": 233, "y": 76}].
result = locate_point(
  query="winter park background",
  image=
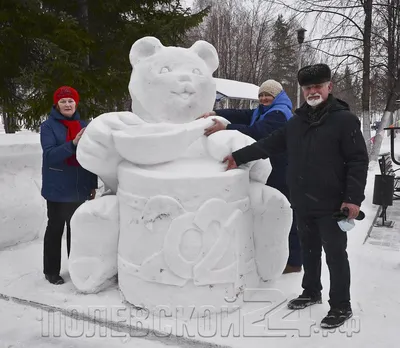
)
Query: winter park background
[{"x": 26, "y": 298}]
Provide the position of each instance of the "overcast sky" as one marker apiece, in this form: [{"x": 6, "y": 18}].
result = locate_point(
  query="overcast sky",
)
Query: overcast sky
[
  {"x": 188, "y": 3},
  {"x": 308, "y": 23}
]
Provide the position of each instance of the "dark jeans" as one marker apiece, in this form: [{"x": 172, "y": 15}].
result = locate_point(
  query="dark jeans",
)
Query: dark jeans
[
  {"x": 58, "y": 214},
  {"x": 277, "y": 181},
  {"x": 295, "y": 255},
  {"x": 323, "y": 232}
]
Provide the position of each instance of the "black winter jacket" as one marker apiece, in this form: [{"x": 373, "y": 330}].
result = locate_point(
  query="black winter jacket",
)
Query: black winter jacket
[
  {"x": 241, "y": 120},
  {"x": 328, "y": 159}
]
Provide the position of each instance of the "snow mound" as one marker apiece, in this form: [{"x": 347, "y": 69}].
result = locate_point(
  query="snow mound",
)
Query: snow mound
[{"x": 22, "y": 208}]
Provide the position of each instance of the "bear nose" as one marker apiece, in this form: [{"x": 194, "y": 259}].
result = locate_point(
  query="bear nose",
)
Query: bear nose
[{"x": 184, "y": 78}]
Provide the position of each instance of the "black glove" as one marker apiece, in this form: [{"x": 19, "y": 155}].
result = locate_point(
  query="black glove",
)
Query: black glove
[{"x": 344, "y": 214}]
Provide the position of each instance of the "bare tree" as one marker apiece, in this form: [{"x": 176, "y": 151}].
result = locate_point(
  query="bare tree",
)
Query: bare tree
[
  {"x": 387, "y": 36},
  {"x": 347, "y": 86},
  {"x": 346, "y": 27},
  {"x": 367, "y": 76},
  {"x": 366, "y": 90},
  {"x": 241, "y": 34}
]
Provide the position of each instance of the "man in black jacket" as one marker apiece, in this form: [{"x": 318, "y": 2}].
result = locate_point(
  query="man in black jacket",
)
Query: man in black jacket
[{"x": 328, "y": 163}]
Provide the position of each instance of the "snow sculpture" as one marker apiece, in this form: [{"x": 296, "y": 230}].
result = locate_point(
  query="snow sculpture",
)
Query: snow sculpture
[{"x": 178, "y": 228}]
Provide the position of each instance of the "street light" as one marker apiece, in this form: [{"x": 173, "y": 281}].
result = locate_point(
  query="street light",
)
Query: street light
[
  {"x": 396, "y": 114},
  {"x": 300, "y": 40},
  {"x": 300, "y": 35}
]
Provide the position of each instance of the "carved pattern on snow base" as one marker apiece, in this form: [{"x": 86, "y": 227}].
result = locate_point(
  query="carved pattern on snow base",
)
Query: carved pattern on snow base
[{"x": 214, "y": 218}]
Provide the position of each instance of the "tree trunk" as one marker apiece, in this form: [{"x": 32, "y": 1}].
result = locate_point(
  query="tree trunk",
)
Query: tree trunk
[
  {"x": 376, "y": 147},
  {"x": 393, "y": 74},
  {"x": 2, "y": 122},
  {"x": 366, "y": 87},
  {"x": 9, "y": 124},
  {"x": 83, "y": 18},
  {"x": 387, "y": 117}
]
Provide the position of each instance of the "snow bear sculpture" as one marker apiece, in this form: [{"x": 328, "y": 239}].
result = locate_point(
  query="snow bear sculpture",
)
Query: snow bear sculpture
[{"x": 178, "y": 228}]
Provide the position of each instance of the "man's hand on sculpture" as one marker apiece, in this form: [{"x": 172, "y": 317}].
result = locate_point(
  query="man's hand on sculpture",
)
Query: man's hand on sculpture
[
  {"x": 207, "y": 114},
  {"x": 92, "y": 194},
  {"x": 217, "y": 126},
  {"x": 353, "y": 209},
  {"x": 231, "y": 162}
]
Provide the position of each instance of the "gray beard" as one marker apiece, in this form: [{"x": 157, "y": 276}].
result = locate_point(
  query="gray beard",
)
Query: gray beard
[{"x": 315, "y": 102}]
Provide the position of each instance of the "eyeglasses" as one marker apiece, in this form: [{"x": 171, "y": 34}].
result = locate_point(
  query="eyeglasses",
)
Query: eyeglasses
[{"x": 316, "y": 86}]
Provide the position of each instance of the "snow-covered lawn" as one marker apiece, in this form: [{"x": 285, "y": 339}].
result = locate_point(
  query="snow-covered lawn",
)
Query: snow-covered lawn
[{"x": 375, "y": 288}]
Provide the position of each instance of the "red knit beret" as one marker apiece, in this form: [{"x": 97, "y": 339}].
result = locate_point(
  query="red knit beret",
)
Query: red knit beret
[{"x": 65, "y": 92}]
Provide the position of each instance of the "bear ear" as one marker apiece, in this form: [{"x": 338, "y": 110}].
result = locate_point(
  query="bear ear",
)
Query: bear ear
[
  {"x": 207, "y": 52},
  {"x": 144, "y": 48}
]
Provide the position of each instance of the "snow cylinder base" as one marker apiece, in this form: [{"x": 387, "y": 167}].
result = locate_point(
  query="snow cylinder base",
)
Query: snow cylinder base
[{"x": 185, "y": 237}]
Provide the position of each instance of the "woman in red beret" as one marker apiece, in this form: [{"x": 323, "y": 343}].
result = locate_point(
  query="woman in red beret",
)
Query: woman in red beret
[{"x": 65, "y": 184}]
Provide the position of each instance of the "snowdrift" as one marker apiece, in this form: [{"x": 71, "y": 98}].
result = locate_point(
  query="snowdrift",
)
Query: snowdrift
[{"x": 22, "y": 209}]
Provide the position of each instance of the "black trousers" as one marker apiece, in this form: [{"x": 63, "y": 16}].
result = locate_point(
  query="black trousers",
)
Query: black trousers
[
  {"x": 277, "y": 181},
  {"x": 295, "y": 255},
  {"x": 58, "y": 214},
  {"x": 323, "y": 232}
]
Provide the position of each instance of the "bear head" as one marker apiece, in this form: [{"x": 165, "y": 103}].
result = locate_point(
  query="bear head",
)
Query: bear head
[{"x": 172, "y": 84}]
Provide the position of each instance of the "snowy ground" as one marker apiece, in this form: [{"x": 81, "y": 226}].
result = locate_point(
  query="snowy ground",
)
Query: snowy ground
[
  {"x": 28, "y": 327},
  {"x": 26, "y": 321}
]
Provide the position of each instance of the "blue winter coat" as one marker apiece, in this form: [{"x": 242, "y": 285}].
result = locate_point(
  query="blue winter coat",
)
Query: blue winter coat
[
  {"x": 61, "y": 182},
  {"x": 280, "y": 103},
  {"x": 260, "y": 123}
]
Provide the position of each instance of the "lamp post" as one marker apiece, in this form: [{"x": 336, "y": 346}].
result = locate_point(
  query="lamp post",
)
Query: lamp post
[
  {"x": 396, "y": 114},
  {"x": 300, "y": 40}
]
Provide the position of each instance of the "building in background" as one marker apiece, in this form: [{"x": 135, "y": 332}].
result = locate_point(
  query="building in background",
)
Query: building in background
[{"x": 235, "y": 94}]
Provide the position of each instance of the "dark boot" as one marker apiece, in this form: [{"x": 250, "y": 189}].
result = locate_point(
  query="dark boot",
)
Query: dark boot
[
  {"x": 336, "y": 317},
  {"x": 304, "y": 301},
  {"x": 54, "y": 279}
]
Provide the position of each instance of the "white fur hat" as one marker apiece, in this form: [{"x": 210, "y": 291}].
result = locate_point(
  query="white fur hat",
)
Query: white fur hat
[{"x": 271, "y": 87}]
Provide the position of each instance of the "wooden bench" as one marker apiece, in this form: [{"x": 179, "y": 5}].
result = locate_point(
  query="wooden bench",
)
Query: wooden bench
[{"x": 386, "y": 167}]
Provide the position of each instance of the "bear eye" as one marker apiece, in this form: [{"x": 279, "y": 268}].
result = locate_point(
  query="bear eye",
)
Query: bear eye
[
  {"x": 164, "y": 70},
  {"x": 196, "y": 71}
]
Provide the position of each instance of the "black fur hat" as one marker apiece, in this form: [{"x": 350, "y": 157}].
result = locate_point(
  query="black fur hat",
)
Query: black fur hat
[{"x": 314, "y": 74}]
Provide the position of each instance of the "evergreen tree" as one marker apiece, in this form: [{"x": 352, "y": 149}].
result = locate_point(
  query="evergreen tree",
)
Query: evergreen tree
[
  {"x": 24, "y": 48},
  {"x": 284, "y": 60},
  {"x": 83, "y": 43}
]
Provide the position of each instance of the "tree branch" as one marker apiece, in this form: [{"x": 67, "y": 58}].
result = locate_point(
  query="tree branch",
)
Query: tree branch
[
  {"x": 322, "y": 11},
  {"x": 348, "y": 55},
  {"x": 334, "y": 38}
]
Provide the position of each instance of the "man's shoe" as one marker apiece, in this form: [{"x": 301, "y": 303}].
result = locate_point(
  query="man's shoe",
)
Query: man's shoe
[
  {"x": 291, "y": 269},
  {"x": 304, "y": 301},
  {"x": 336, "y": 317},
  {"x": 54, "y": 279}
]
